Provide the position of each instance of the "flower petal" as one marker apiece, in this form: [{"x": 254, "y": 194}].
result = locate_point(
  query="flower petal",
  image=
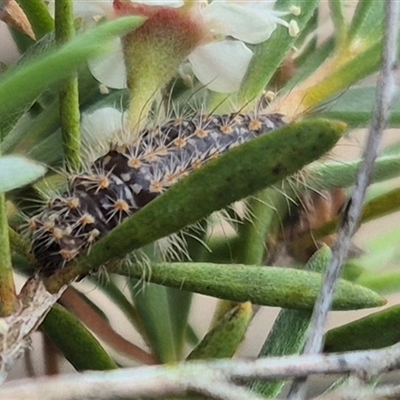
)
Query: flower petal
[
  {"x": 165, "y": 3},
  {"x": 253, "y": 22},
  {"x": 99, "y": 128},
  {"x": 221, "y": 65},
  {"x": 109, "y": 69},
  {"x": 89, "y": 8}
]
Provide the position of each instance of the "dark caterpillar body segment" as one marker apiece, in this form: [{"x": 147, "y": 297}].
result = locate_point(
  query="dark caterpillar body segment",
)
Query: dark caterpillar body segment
[{"x": 128, "y": 177}]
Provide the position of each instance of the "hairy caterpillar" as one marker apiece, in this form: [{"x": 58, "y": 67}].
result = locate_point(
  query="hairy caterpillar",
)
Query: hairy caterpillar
[{"x": 128, "y": 177}]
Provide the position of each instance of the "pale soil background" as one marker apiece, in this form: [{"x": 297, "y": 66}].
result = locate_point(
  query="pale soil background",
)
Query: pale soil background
[{"x": 203, "y": 306}]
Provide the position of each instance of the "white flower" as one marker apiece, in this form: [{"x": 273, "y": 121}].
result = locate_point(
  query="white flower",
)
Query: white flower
[
  {"x": 104, "y": 8},
  {"x": 88, "y": 8},
  {"x": 99, "y": 128},
  {"x": 249, "y": 21},
  {"x": 221, "y": 64}
]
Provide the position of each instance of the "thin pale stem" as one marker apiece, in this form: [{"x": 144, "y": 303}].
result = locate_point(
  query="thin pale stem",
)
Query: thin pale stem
[
  {"x": 386, "y": 91},
  {"x": 68, "y": 93},
  {"x": 199, "y": 377}
]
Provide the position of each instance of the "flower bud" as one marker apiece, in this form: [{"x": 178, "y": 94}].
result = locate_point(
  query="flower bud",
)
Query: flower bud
[{"x": 154, "y": 51}]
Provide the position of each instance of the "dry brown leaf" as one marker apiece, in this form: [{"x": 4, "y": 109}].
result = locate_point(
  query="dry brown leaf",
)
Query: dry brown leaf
[{"x": 12, "y": 14}]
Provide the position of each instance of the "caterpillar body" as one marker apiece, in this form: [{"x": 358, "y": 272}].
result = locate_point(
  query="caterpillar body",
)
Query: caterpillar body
[{"x": 128, "y": 177}]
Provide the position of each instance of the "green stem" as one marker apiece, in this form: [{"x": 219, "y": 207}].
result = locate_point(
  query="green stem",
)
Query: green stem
[
  {"x": 68, "y": 93},
  {"x": 20, "y": 245},
  {"x": 336, "y": 11},
  {"x": 267, "y": 210},
  {"x": 253, "y": 234},
  {"x": 140, "y": 103},
  {"x": 8, "y": 296},
  {"x": 38, "y": 16}
]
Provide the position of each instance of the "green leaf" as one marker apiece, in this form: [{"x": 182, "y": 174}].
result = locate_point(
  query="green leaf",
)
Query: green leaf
[
  {"x": 38, "y": 15},
  {"x": 17, "y": 86},
  {"x": 40, "y": 138},
  {"x": 151, "y": 302},
  {"x": 33, "y": 129},
  {"x": 18, "y": 140},
  {"x": 9, "y": 121},
  {"x": 269, "y": 55},
  {"x": 179, "y": 302},
  {"x": 22, "y": 41},
  {"x": 331, "y": 175},
  {"x": 191, "y": 336},
  {"x": 271, "y": 286},
  {"x": 48, "y": 151},
  {"x": 309, "y": 29},
  {"x": 75, "y": 342},
  {"x": 386, "y": 283},
  {"x": 267, "y": 209},
  {"x": 290, "y": 329},
  {"x": 352, "y": 270},
  {"x": 339, "y": 22},
  {"x": 381, "y": 205},
  {"x": 357, "y": 67},
  {"x": 355, "y": 105},
  {"x": 224, "y": 338},
  {"x": 350, "y": 63},
  {"x": 375, "y": 208},
  {"x": 17, "y": 171},
  {"x": 382, "y": 250},
  {"x": 309, "y": 61},
  {"x": 367, "y": 20},
  {"x": 222, "y": 249},
  {"x": 263, "y": 161},
  {"x": 112, "y": 291},
  {"x": 375, "y": 331}
]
